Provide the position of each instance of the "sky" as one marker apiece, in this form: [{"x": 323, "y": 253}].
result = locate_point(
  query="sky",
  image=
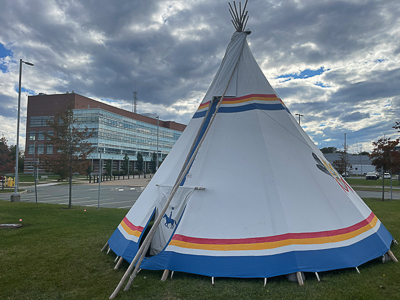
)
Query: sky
[{"x": 335, "y": 62}]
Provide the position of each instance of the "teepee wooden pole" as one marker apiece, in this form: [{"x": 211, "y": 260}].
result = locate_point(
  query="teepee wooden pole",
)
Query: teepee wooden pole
[
  {"x": 147, "y": 241},
  {"x": 137, "y": 268}
]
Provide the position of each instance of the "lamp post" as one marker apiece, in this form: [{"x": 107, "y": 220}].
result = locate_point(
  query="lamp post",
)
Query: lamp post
[
  {"x": 16, "y": 197},
  {"x": 158, "y": 126},
  {"x": 300, "y": 115}
]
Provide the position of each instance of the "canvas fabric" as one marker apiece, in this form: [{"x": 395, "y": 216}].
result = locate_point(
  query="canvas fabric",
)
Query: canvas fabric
[{"x": 271, "y": 203}]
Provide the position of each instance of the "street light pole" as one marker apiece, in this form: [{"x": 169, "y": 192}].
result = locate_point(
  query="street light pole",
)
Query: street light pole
[
  {"x": 300, "y": 115},
  {"x": 16, "y": 197}
]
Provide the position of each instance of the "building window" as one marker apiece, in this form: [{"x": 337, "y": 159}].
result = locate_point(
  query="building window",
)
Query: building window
[
  {"x": 49, "y": 149},
  {"x": 39, "y": 121},
  {"x": 40, "y": 149},
  {"x": 32, "y": 135},
  {"x": 49, "y": 134},
  {"x": 40, "y": 136},
  {"x": 31, "y": 149}
]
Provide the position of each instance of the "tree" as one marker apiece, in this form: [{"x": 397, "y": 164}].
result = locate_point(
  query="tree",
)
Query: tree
[
  {"x": 153, "y": 162},
  {"x": 363, "y": 153},
  {"x": 327, "y": 150},
  {"x": 385, "y": 157},
  {"x": 7, "y": 163},
  {"x": 70, "y": 147},
  {"x": 342, "y": 165},
  {"x": 125, "y": 163},
  {"x": 139, "y": 163},
  {"x": 108, "y": 168},
  {"x": 397, "y": 126},
  {"x": 21, "y": 157}
]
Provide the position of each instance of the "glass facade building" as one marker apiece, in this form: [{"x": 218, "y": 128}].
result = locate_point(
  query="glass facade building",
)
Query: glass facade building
[
  {"x": 116, "y": 135},
  {"x": 117, "y": 132}
]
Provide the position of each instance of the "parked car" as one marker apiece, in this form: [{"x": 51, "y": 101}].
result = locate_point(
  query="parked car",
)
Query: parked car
[
  {"x": 371, "y": 176},
  {"x": 386, "y": 176}
]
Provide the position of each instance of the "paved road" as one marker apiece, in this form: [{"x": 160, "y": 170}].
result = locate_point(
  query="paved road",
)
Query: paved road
[
  {"x": 116, "y": 196},
  {"x": 373, "y": 194}
]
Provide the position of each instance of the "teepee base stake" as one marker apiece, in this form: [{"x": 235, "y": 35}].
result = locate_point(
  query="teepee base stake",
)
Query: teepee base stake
[
  {"x": 115, "y": 260},
  {"x": 316, "y": 274},
  {"x": 118, "y": 263},
  {"x": 172, "y": 274},
  {"x": 165, "y": 275},
  {"x": 300, "y": 278},
  {"x": 390, "y": 253},
  {"x": 358, "y": 271},
  {"x": 265, "y": 281},
  {"x": 104, "y": 247},
  {"x": 212, "y": 280}
]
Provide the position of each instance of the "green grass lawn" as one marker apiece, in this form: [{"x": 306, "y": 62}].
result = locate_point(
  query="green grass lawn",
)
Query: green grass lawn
[
  {"x": 378, "y": 183},
  {"x": 56, "y": 255}
]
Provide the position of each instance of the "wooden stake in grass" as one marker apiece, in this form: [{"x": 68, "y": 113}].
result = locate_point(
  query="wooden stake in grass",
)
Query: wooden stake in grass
[
  {"x": 390, "y": 253},
  {"x": 300, "y": 278},
  {"x": 104, "y": 247},
  {"x": 165, "y": 275}
]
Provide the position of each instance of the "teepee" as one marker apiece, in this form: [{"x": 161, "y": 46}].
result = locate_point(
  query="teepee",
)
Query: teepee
[{"x": 245, "y": 192}]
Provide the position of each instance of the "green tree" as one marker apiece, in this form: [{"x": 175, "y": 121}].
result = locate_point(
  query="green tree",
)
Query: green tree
[
  {"x": 70, "y": 147},
  {"x": 363, "y": 153},
  {"x": 385, "y": 157},
  {"x": 153, "y": 162},
  {"x": 139, "y": 163},
  {"x": 108, "y": 168},
  {"x": 21, "y": 157},
  {"x": 342, "y": 164},
  {"x": 327, "y": 150},
  {"x": 7, "y": 163},
  {"x": 125, "y": 163}
]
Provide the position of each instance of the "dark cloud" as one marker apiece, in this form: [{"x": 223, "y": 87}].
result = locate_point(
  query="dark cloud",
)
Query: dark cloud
[
  {"x": 354, "y": 117},
  {"x": 170, "y": 50}
]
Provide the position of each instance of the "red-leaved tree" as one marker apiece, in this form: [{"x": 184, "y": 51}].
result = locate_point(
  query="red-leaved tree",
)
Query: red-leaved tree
[{"x": 385, "y": 157}]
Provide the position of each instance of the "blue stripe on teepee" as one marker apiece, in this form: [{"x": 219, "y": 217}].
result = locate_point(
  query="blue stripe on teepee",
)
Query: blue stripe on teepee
[
  {"x": 124, "y": 247},
  {"x": 202, "y": 131},
  {"x": 247, "y": 107},
  {"x": 274, "y": 265}
]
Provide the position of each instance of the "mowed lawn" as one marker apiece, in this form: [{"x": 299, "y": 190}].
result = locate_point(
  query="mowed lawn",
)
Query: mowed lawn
[{"x": 56, "y": 255}]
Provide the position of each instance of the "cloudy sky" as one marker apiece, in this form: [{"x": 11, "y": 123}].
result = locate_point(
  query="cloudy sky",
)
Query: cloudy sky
[{"x": 335, "y": 62}]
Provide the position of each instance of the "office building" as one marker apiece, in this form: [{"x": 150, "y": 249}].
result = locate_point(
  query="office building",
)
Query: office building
[{"x": 117, "y": 132}]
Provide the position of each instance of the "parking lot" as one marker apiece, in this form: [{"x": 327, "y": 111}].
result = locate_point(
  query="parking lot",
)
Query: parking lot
[{"x": 115, "y": 194}]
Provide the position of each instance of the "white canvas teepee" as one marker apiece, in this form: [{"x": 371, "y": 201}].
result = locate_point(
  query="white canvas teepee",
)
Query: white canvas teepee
[{"x": 246, "y": 193}]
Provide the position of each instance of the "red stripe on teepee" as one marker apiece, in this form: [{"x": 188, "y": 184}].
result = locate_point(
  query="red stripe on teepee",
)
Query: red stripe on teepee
[{"x": 304, "y": 235}]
